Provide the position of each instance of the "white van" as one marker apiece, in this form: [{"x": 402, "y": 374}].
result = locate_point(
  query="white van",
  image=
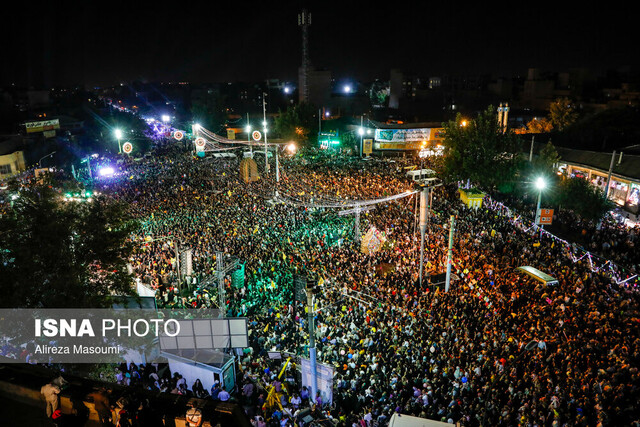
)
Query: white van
[{"x": 420, "y": 175}]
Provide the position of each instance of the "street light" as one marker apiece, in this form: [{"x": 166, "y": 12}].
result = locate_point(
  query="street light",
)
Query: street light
[
  {"x": 48, "y": 155},
  {"x": 118, "y": 134},
  {"x": 541, "y": 184}
]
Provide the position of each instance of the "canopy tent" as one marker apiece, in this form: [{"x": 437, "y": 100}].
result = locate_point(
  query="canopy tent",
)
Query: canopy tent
[
  {"x": 538, "y": 275},
  {"x": 398, "y": 420}
]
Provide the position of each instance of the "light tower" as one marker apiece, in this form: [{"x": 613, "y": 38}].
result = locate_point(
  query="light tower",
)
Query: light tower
[{"x": 304, "y": 20}]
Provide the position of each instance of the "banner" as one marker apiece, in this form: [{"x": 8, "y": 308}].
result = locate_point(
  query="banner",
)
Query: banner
[
  {"x": 403, "y": 135},
  {"x": 325, "y": 379},
  {"x": 41, "y": 126},
  {"x": 231, "y": 134}
]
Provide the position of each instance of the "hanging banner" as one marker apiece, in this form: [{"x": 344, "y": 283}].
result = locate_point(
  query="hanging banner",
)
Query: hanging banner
[
  {"x": 324, "y": 376},
  {"x": 41, "y": 126},
  {"x": 403, "y": 135},
  {"x": 231, "y": 134}
]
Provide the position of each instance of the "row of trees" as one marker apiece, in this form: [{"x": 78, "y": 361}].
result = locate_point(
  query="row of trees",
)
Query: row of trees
[
  {"x": 58, "y": 254},
  {"x": 479, "y": 151}
]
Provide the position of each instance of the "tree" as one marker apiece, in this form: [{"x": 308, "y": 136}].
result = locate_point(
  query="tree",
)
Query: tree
[
  {"x": 58, "y": 254},
  {"x": 583, "y": 198},
  {"x": 542, "y": 125},
  {"x": 296, "y": 123},
  {"x": 546, "y": 159},
  {"x": 562, "y": 113},
  {"x": 481, "y": 152}
]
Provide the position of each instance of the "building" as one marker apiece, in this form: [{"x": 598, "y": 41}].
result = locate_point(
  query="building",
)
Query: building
[
  {"x": 624, "y": 185},
  {"x": 11, "y": 156}
]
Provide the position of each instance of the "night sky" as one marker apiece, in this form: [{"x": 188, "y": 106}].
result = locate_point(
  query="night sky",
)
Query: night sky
[{"x": 102, "y": 43}]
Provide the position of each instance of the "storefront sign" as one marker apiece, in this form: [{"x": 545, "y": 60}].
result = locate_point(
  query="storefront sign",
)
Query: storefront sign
[
  {"x": 544, "y": 217},
  {"x": 41, "y": 126}
]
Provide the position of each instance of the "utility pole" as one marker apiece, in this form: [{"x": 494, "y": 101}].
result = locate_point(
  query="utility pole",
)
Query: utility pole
[
  {"x": 606, "y": 192},
  {"x": 264, "y": 123},
  {"x": 249, "y": 136},
  {"x": 531, "y": 150},
  {"x": 311, "y": 289},
  {"x": 449, "y": 255},
  {"x": 277, "y": 163},
  {"x": 423, "y": 227},
  {"x": 357, "y": 239},
  {"x": 176, "y": 246},
  {"x": 221, "y": 297},
  {"x": 222, "y": 270}
]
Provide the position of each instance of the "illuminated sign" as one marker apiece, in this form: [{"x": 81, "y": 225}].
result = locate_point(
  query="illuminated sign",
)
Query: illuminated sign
[
  {"x": 403, "y": 135},
  {"x": 45, "y": 125},
  {"x": 544, "y": 217}
]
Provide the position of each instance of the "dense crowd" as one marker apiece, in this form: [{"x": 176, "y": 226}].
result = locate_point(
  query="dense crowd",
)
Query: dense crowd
[{"x": 498, "y": 349}]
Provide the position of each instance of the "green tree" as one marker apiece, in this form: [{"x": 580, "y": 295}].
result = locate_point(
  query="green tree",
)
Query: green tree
[
  {"x": 583, "y": 198},
  {"x": 296, "y": 123},
  {"x": 479, "y": 151},
  {"x": 63, "y": 254},
  {"x": 562, "y": 113},
  {"x": 546, "y": 159}
]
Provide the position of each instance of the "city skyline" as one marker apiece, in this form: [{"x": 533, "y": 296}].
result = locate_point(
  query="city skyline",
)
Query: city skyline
[{"x": 91, "y": 45}]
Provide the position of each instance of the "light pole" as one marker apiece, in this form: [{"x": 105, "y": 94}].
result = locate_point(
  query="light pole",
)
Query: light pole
[
  {"x": 249, "y": 136},
  {"x": 48, "y": 155},
  {"x": 541, "y": 184},
  {"x": 264, "y": 125},
  {"x": 311, "y": 289},
  {"x": 118, "y": 134}
]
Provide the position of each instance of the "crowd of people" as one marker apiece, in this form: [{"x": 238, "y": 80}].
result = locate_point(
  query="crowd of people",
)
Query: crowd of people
[{"x": 499, "y": 348}]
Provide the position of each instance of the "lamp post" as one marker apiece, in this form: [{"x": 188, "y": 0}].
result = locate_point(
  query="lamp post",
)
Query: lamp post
[
  {"x": 118, "y": 134},
  {"x": 248, "y": 129},
  {"x": 541, "y": 184},
  {"x": 264, "y": 125},
  {"x": 48, "y": 155}
]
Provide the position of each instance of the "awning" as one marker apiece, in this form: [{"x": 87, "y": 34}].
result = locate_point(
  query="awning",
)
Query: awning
[{"x": 538, "y": 275}]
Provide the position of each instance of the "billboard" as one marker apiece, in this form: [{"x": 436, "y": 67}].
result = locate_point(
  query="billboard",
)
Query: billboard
[
  {"x": 403, "y": 135},
  {"x": 42, "y": 126}
]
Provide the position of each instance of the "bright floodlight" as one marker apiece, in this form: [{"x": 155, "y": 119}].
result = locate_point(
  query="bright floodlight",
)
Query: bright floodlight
[
  {"x": 540, "y": 183},
  {"x": 106, "y": 171},
  {"x": 291, "y": 147},
  {"x": 196, "y": 126},
  {"x": 286, "y": 89},
  {"x": 165, "y": 118},
  {"x": 360, "y": 131},
  {"x": 248, "y": 128},
  {"x": 118, "y": 133},
  {"x": 347, "y": 89}
]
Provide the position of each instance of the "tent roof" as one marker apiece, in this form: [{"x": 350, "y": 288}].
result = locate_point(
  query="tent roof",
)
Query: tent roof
[
  {"x": 537, "y": 274},
  {"x": 398, "y": 420}
]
